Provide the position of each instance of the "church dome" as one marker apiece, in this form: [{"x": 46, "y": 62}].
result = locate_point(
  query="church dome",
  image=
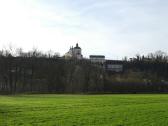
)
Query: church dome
[{"x": 77, "y": 46}]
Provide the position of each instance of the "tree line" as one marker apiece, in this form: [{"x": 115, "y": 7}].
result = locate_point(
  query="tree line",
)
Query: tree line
[{"x": 38, "y": 72}]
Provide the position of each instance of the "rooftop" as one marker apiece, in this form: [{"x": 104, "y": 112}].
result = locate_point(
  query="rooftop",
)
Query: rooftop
[
  {"x": 77, "y": 46},
  {"x": 97, "y": 56}
]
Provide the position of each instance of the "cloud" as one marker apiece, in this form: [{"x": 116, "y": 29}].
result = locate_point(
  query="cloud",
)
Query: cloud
[{"x": 115, "y": 28}]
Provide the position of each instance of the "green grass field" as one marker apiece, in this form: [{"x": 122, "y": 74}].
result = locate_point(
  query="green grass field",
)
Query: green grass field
[{"x": 84, "y": 110}]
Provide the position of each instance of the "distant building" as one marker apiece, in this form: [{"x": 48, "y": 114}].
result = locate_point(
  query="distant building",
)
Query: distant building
[
  {"x": 74, "y": 53},
  {"x": 114, "y": 65},
  {"x": 97, "y": 59}
]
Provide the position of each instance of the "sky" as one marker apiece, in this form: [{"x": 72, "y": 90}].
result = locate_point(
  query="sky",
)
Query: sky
[{"x": 114, "y": 28}]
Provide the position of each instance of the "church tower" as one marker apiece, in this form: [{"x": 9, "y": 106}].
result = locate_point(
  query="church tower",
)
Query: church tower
[
  {"x": 74, "y": 52},
  {"x": 78, "y": 52}
]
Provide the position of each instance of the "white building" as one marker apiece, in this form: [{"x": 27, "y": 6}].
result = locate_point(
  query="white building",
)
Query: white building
[
  {"x": 114, "y": 65},
  {"x": 74, "y": 52},
  {"x": 97, "y": 59}
]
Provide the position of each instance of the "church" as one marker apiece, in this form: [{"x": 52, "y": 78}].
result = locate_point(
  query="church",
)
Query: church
[
  {"x": 108, "y": 65},
  {"x": 74, "y": 53}
]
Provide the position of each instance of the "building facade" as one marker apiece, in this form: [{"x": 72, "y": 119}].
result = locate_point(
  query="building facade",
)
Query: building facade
[
  {"x": 114, "y": 66},
  {"x": 97, "y": 59},
  {"x": 74, "y": 53}
]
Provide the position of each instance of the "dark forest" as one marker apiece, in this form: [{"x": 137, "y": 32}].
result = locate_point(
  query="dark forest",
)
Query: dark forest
[{"x": 37, "y": 72}]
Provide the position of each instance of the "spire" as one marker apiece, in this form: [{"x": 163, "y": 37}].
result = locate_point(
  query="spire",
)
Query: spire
[{"x": 77, "y": 45}]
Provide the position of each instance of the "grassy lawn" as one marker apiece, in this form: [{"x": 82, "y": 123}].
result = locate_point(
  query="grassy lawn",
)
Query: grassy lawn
[{"x": 84, "y": 110}]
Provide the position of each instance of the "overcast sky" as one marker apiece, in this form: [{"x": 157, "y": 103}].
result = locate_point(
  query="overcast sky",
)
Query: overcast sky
[{"x": 114, "y": 28}]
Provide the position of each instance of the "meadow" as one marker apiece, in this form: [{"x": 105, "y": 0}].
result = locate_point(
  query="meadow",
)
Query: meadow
[{"x": 84, "y": 110}]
